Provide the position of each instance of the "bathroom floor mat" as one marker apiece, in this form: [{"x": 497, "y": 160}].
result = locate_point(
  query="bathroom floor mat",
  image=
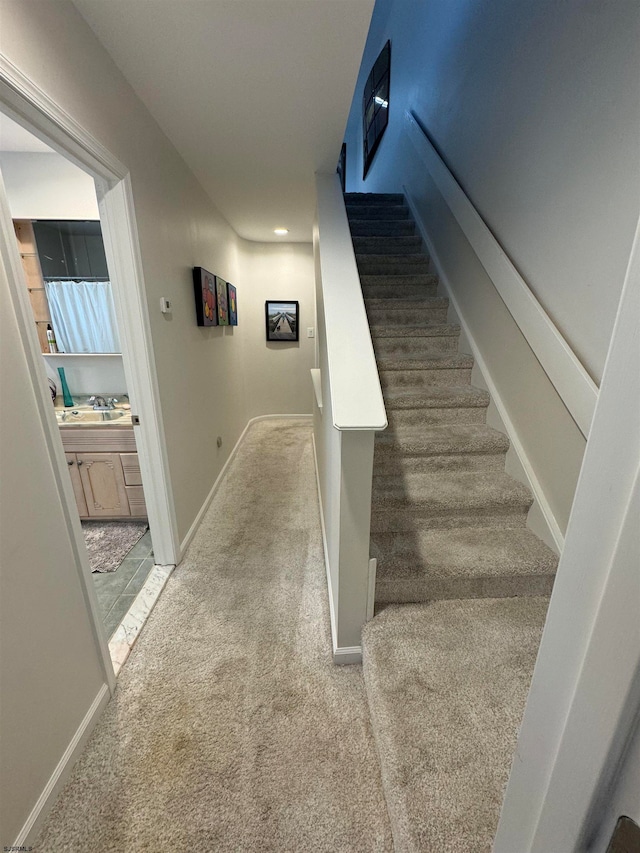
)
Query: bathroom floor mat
[{"x": 109, "y": 542}]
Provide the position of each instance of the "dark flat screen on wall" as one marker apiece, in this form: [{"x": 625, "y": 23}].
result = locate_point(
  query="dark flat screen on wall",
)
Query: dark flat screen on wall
[{"x": 375, "y": 106}]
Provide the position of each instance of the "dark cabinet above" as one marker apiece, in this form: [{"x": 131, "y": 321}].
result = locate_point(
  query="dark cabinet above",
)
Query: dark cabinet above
[{"x": 70, "y": 249}]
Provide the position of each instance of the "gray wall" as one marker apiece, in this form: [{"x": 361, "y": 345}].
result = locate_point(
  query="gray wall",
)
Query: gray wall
[{"x": 535, "y": 108}]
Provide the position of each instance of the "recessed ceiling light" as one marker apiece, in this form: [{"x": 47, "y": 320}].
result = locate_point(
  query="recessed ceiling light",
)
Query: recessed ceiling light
[{"x": 281, "y": 231}]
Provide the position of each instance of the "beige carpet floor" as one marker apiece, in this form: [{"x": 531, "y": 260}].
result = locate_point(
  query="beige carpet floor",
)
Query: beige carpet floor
[
  {"x": 231, "y": 729},
  {"x": 447, "y": 683}
]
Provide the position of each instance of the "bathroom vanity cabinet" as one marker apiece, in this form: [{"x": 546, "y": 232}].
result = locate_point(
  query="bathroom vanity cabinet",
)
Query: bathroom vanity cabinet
[{"x": 105, "y": 472}]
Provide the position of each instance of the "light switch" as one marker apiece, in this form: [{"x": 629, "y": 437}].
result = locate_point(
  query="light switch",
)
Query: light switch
[
  {"x": 165, "y": 306},
  {"x": 310, "y": 332}
]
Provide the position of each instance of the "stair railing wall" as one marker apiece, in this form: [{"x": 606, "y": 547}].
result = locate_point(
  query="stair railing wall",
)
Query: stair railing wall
[
  {"x": 348, "y": 411},
  {"x": 572, "y": 382},
  {"x": 542, "y": 396}
]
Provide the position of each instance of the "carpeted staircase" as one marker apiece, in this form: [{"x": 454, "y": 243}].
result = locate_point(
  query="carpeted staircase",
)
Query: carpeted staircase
[{"x": 462, "y": 584}]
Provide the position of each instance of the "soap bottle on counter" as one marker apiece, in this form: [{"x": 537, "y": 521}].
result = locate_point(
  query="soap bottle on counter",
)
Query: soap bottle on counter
[{"x": 51, "y": 339}]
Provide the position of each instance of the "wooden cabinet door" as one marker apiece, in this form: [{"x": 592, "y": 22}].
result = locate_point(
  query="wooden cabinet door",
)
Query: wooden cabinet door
[
  {"x": 76, "y": 482},
  {"x": 103, "y": 484}
]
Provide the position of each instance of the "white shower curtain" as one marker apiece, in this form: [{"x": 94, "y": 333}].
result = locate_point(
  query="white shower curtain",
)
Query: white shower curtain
[{"x": 83, "y": 316}]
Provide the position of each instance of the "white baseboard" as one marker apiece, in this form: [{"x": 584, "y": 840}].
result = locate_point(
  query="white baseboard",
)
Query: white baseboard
[
  {"x": 371, "y": 589},
  {"x": 346, "y": 654},
  {"x": 61, "y": 773},
  {"x": 207, "y": 501},
  {"x": 541, "y": 517}
]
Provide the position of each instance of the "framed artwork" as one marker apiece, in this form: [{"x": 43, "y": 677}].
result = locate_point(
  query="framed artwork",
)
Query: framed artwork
[
  {"x": 221, "y": 301},
  {"x": 204, "y": 285},
  {"x": 375, "y": 106},
  {"x": 232, "y": 300},
  {"x": 282, "y": 320}
]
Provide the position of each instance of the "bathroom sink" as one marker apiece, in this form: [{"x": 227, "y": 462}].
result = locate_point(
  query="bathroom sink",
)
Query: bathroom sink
[{"x": 89, "y": 416}]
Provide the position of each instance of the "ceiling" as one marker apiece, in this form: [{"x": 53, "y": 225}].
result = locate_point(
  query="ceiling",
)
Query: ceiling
[{"x": 254, "y": 94}]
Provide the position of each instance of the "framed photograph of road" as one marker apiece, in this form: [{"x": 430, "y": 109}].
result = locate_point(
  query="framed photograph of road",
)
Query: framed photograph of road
[{"x": 282, "y": 320}]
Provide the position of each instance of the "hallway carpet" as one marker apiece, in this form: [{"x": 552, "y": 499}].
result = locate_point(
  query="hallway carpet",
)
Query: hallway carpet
[{"x": 231, "y": 729}]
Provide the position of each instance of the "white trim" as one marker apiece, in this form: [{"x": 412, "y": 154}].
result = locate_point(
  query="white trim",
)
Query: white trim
[
  {"x": 120, "y": 234},
  {"x": 46, "y": 355},
  {"x": 133, "y": 621},
  {"x": 346, "y": 654},
  {"x": 332, "y": 613},
  {"x": 316, "y": 379},
  {"x": 24, "y": 101},
  {"x": 207, "y": 501},
  {"x": 59, "y": 776},
  {"x": 576, "y": 388},
  {"x": 11, "y": 267},
  {"x": 371, "y": 590},
  {"x": 532, "y": 480}
]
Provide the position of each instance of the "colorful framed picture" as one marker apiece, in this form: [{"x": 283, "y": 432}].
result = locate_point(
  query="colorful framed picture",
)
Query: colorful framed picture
[
  {"x": 204, "y": 286},
  {"x": 221, "y": 301},
  {"x": 282, "y": 320},
  {"x": 232, "y": 300}
]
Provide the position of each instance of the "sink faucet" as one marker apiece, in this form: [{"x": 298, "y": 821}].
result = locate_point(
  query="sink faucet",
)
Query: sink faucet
[{"x": 98, "y": 402}]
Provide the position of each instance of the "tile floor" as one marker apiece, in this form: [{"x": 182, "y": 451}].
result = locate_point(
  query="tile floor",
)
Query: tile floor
[{"x": 117, "y": 590}]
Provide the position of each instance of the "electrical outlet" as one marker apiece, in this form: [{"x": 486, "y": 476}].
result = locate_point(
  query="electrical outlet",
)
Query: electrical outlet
[{"x": 311, "y": 332}]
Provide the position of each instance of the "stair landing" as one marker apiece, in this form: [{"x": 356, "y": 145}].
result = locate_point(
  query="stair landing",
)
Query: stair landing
[{"x": 447, "y": 684}]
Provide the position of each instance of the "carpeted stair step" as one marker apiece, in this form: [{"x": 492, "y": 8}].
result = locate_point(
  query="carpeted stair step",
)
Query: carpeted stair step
[
  {"x": 434, "y": 499},
  {"x": 434, "y": 339},
  {"x": 455, "y": 360},
  {"x": 447, "y": 684},
  {"x": 448, "y": 447},
  {"x": 436, "y": 369},
  {"x": 396, "y": 291},
  {"x": 404, "y": 245},
  {"x": 409, "y": 313},
  {"x": 423, "y": 279},
  {"x": 378, "y": 212},
  {"x": 392, "y": 264},
  {"x": 381, "y": 227},
  {"x": 366, "y": 199},
  {"x": 461, "y": 563},
  {"x": 462, "y": 404}
]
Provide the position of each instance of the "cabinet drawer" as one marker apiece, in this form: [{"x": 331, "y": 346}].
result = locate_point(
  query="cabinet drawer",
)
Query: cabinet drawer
[
  {"x": 98, "y": 439},
  {"x": 131, "y": 469},
  {"x": 137, "y": 506}
]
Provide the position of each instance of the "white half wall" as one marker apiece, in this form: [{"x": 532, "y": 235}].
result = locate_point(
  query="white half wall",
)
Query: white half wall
[{"x": 46, "y": 186}]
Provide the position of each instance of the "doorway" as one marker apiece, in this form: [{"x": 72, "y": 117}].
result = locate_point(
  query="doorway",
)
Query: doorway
[{"x": 138, "y": 399}]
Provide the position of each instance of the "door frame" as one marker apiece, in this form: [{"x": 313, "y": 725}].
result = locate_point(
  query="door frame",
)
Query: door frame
[
  {"x": 584, "y": 700},
  {"x": 32, "y": 108}
]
